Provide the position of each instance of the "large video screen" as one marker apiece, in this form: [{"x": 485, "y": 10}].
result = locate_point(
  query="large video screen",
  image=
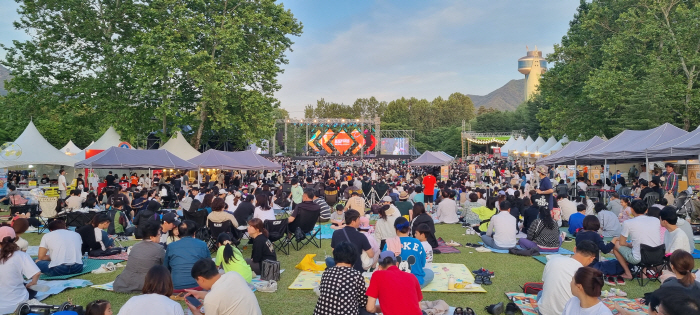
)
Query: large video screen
[{"x": 395, "y": 146}]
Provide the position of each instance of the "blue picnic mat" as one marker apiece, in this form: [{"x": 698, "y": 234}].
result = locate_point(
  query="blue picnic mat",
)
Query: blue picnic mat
[
  {"x": 88, "y": 266},
  {"x": 326, "y": 231},
  {"x": 57, "y": 286},
  {"x": 696, "y": 254},
  {"x": 562, "y": 251}
]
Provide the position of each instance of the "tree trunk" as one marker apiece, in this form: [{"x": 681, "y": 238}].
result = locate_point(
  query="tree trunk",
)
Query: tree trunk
[{"x": 200, "y": 129}]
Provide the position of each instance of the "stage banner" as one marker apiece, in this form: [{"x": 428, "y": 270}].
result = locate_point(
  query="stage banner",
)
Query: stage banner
[
  {"x": 496, "y": 151},
  {"x": 444, "y": 173}
]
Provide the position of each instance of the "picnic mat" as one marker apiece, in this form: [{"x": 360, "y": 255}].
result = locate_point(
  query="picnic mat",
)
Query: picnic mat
[
  {"x": 696, "y": 254},
  {"x": 445, "y": 249},
  {"x": 33, "y": 251},
  {"x": 442, "y": 274},
  {"x": 58, "y": 286},
  {"x": 326, "y": 231},
  {"x": 528, "y": 303},
  {"x": 306, "y": 280},
  {"x": 541, "y": 258},
  {"x": 110, "y": 285},
  {"x": 120, "y": 256},
  {"x": 562, "y": 251},
  {"x": 88, "y": 266}
]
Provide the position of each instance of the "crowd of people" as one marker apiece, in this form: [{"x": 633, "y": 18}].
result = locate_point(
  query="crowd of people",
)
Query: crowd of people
[{"x": 507, "y": 205}]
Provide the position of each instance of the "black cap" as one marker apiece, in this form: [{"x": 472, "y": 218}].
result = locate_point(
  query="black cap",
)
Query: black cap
[{"x": 171, "y": 217}]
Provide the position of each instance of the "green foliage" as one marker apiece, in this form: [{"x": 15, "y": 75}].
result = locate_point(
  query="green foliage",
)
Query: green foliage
[
  {"x": 623, "y": 65},
  {"x": 522, "y": 118}
]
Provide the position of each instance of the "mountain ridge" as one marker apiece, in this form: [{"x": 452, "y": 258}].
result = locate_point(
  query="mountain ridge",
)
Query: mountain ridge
[{"x": 507, "y": 97}]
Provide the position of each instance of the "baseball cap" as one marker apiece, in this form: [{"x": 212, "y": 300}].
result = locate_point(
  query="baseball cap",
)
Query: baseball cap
[
  {"x": 171, "y": 217},
  {"x": 238, "y": 194},
  {"x": 7, "y": 231},
  {"x": 501, "y": 193},
  {"x": 387, "y": 199},
  {"x": 364, "y": 223},
  {"x": 387, "y": 254}
]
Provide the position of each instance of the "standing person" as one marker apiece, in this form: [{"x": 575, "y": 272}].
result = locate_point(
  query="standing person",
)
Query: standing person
[
  {"x": 262, "y": 247},
  {"x": 219, "y": 299},
  {"x": 429, "y": 190},
  {"x": 546, "y": 190},
  {"x": 557, "y": 276},
  {"x": 342, "y": 288},
  {"x": 15, "y": 265},
  {"x": 297, "y": 192},
  {"x": 586, "y": 287},
  {"x": 157, "y": 289},
  {"x": 671, "y": 183},
  {"x": 62, "y": 187},
  {"x": 350, "y": 234},
  {"x": 383, "y": 288}
]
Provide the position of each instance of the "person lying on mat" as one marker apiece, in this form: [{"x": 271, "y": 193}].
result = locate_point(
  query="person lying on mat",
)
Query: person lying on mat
[
  {"x": 59, "y": 251},
  {"x": 411, "y": 253},
  {"x": 557, "y": 275},
  {"x": 502, "y": 229},
  {"x": 143, "y": 255},
  {"x": 543, "y": 233},
  {"x": 586, "y": 287},
  {"x": 342, "y": 288},
  {"x": 228, "y": 294},
  {"x": 157, "y": 289},
  {"x": 383, "y": 288},
  {"x": 181, "y": 255}
]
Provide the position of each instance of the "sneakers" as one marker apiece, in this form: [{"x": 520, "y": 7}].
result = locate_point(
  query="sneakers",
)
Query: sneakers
[
  {"x": 266, "y": 286},
  {"x": 568, "y": 239},
  {"x": 618, "y": 292},
  {"x": 606, "y": 293},
  {"x": 512, "y": 309},
  {"x": 105, "y": 268},
  {"x": 620, "y": 280},
  {"x": 610, "y": 281},
  {"x": 452, "y": 243},
  {"x": 495, "y": 309},
  {"x": 482, "y": 249}
]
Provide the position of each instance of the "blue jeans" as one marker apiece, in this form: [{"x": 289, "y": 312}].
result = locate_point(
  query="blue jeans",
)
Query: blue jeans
[
  {"x": 429, "y": 276},
  {"x": 488, "y": 241},
  {"x": 60, "y": 270}
]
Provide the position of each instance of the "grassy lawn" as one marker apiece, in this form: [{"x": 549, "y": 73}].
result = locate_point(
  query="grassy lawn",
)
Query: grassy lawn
[{"x": 511, "y": 272}]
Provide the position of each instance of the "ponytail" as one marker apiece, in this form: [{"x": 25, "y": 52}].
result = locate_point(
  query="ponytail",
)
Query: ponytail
[
  {"x": 683, "y": 264},
  {"x": 7, "y": 248},
  {"x": 382, "y": 211}
]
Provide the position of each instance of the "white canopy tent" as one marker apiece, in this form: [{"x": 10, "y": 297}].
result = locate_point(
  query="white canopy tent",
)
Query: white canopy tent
[
  {"x": 109, "y": 139},
  {"x": 70, "y": 149},
  {"x": 535, "y": 146},
  {"x": 35, "y": 150},
  {"x": 508, "y": 146},
  {"x": 179, "y": 146},
  {"x": 550, "y": 142}
]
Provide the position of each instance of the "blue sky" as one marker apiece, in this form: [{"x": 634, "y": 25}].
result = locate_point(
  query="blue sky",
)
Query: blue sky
[{"x": 390, "y": 49}]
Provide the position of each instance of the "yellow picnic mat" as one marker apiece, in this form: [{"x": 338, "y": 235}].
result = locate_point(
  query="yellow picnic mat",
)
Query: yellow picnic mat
[{"x": 306, "y": 280}]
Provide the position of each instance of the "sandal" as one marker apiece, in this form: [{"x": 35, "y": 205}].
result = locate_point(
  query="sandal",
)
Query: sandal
[
  {"x": 469, "y": 311},
  {"x": 487, "y": 280},
  {"x": 458, "y": 311},
  {"x": 495, "y": 309},
  {"x": 479, "y": 279}
]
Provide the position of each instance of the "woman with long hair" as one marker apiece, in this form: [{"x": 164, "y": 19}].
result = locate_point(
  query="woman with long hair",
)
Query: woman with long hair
[
  {"x": 586, "y": 286},
  {"x": 420, "y": 216},
  {"x": 14, "y": 266},
  {"x": 384, "y": 226},
  {"x": 262, "y": 208},
  {"x": 206, "y": 203},
  {"x": 262, "y": 247},
  {"x": 543, "y": 233},
  {"x": 682, "y": 265},
  {"x": 229, "y": 258},
  {"x": 157, "y": 289}
]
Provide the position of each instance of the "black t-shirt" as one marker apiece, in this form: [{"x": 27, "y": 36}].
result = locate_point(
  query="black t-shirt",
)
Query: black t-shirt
[
  {"x": 244, "y": 211},
  {"x": 110, "y": 180},
  {"x": 263, "y": 249},
  {"x": 356, "y": 238},
  {"x": 44, "y": 180},
  {"x": 644, "y": 192},
  {"x": 122, "y": 197},
  {"x": 306, "y": 206}
]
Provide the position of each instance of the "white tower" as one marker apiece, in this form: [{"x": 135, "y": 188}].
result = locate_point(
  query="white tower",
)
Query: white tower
[{"x": 532, "y": 66}]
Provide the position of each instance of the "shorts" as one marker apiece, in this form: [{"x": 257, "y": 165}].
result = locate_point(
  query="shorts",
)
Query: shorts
[
  {"x": 428, "y": 198},
  {"x": 628, "y": 254}
]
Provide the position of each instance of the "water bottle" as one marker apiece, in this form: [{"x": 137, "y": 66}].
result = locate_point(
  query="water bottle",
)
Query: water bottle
[{"x": 85, "y": 256}]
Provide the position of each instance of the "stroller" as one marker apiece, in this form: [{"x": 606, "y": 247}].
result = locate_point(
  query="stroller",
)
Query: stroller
[
  {"x": 66, "y": 308},
  {"x": 168, "y": 195}
]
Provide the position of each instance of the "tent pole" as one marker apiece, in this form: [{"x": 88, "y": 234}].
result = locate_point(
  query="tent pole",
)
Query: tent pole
[
  {"x": 605, "y": 175},
  {"x": 646, "y": 157}
]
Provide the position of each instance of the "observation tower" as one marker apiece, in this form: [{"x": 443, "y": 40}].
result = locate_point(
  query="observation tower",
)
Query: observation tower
[{"x": 532, "y": 66}]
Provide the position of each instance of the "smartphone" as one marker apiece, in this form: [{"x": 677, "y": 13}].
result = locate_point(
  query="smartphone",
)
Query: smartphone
[{"x": 194, "y": 301}]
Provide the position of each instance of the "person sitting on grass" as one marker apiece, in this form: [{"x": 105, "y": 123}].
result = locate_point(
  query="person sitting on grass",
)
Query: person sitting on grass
[
  {"x": 21, "y": 225},
  {"x": 383, "y": 288},
  {"x": 350, "y": 234},
  {"x": 502, "y": 231},
  {"x": 485, "y": 214},
  {"x": 447, "y": 208},
  {"x": 682, "y": 265},
  {"x": 609, "y": 224},
  {"x": 468, "y": 216},
  {"x": 609, "y": 268},
  {"x": 338, "y": 217},
  {"x": 98, "y": 307},
  {"x": 422, "y": 233},
  {"x": 364, "y": 229},
  {"x": 586, "y": 286},
  {"x": 342, "y": 288},
  {"x": 157, "y": 289},
  {"x": 543, "y": 233},
  {"x": 421, "y": 217},
  {"x": 666, "y": 301},
  {"x": 182, "y": 254},
  {"x": 404, "y": 206},
  {"x": 675, "y": 238},
  {"x": 229, "y": 258},
  {"x": 576, "y": 219},
  {"x": 557, "y": 276},
  {"x": 411, "y": 251},
  {"x": 642, "y": 229},
  {"x": 59, "y": 251},
  {"x": 95, "y": 239},
  {"x": 142, "y": 256},
  {"x": 15, "y": 265},
  {"x": 262, "y": 247},
  {"x": 225, "y": 294}
]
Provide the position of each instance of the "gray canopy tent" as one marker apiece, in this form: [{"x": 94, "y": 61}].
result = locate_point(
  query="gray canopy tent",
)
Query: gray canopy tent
[
  {"x": 432, "y": 158},
  {"x": 116, "y": 157},
  {"x": 240, "y": 160},
  {"x": 682, "y": 148},
  {"x": 250, "y": 160},
  {"x": 573, "y": 147}
]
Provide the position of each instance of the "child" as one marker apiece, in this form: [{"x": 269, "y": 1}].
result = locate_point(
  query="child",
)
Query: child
[
  {"x": 422, "y": 232},
  {"x": 230, "y": 258},
  {"x": 576, "y": 219},
  {"x": 20, "y": 225},
  {"x": 98, "y": 307},
  {"x": 364, "y": 228},
  {"x": 338, "y": 217}
]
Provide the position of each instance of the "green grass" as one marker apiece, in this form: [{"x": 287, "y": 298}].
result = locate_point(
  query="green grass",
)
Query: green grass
[{"x": 511, "y": 272}]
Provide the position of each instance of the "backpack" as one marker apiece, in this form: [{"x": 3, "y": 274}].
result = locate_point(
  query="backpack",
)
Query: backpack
[
  {"x": 203, "y": 234},
  {"x": 532, "y": 287}
]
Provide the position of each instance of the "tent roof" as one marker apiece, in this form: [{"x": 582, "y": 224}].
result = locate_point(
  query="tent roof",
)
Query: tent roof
[
  {"x": 534, "y": 147},
  {"x": 116, "y": 157},
  {"x": 565, "y": 155},
  {"x": 213, "y": 159},
  {"x": 555, "y": 148},
  {"x": 249, "y": 160},
  {"x": 684, "y": 147},
  {"x": 629, "y": 144},
  {"x": 550, "y": 142},
  {"x": 518, "y": 143},
  {"x": 70, "y": 148},
  {"x": 506, "y": 146},
  {"x": 179, "y": 146},
  {"x": 36, "y": 150},
  {"x": 109, "y": 139},
  {"x": 431, "y": 158}
]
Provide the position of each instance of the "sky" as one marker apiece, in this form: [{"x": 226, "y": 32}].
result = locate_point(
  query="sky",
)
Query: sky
[{"x": 401, "y": 48}]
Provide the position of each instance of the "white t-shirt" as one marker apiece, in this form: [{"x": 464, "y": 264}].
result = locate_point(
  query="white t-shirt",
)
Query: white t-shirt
[
  {"x": 582, "y": 186},
  {"x": 62, "y": 182},
  {"x": 573, "y": 307},
  {"x": 567, "y": 207},
  {"x": 556, "y": 291},
  {"x": 504, "y": 226},
  {"x": 23, "y": 244},
  {"x": 229, "y": 202},
  {"x": 12, "y": 282},
  {"x": 428, "y": 254},
  {"x": 642, "y": 230},
  {"x": 676, "y": 240},
  {"x": 151, "y": 304},
  {"x": 63, "y": 246},
  {"x": 220, "y": 301},
  {"x": 264, "y": 214}
]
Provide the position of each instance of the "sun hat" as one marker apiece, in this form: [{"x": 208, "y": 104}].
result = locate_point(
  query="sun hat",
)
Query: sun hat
[
  {"x": 403, "y": 195},
  {"x": 387, "y": 199},
  {"x": 542, "y": 169},
  {"x": 364, "y": 223}
]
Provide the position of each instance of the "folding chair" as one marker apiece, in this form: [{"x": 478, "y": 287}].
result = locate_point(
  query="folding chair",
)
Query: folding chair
[
  {"x": 593, "y": 193},
  {"x": 651, "y": 198},
  {"x": 307, "y": 223},
  {"x": 47, "y": 206},
  {"x": 278, "y": 231},
  {"x": 653, "y": 258},
  {"x": 199, "y": 217},
  {"x": 216, "y": 228}
]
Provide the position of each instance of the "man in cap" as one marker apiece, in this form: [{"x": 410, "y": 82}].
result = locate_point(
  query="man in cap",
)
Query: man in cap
[
  {"x": 382, "y": 288},
  {"x": 170, "y": 223},
  {"x": 545, "y": 190}
]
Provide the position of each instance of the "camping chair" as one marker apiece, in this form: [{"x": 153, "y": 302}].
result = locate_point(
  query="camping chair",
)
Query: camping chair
[
  {"x": 593, "y": 193},
  {"x": 199, "y": 217},
  {"x": 307, "y": 223},
  {"x": 278, "y": 230},
  {"x": 651, "y": 198},
  {"x": 77, "y": 218},
  {"x": 572, "y": 193},
  {"x": 216, "y": 228},
  {"x": 653, "y": 258},
  {"x": 626, "y": 192},
  {"x": 47, "y": 207}
]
